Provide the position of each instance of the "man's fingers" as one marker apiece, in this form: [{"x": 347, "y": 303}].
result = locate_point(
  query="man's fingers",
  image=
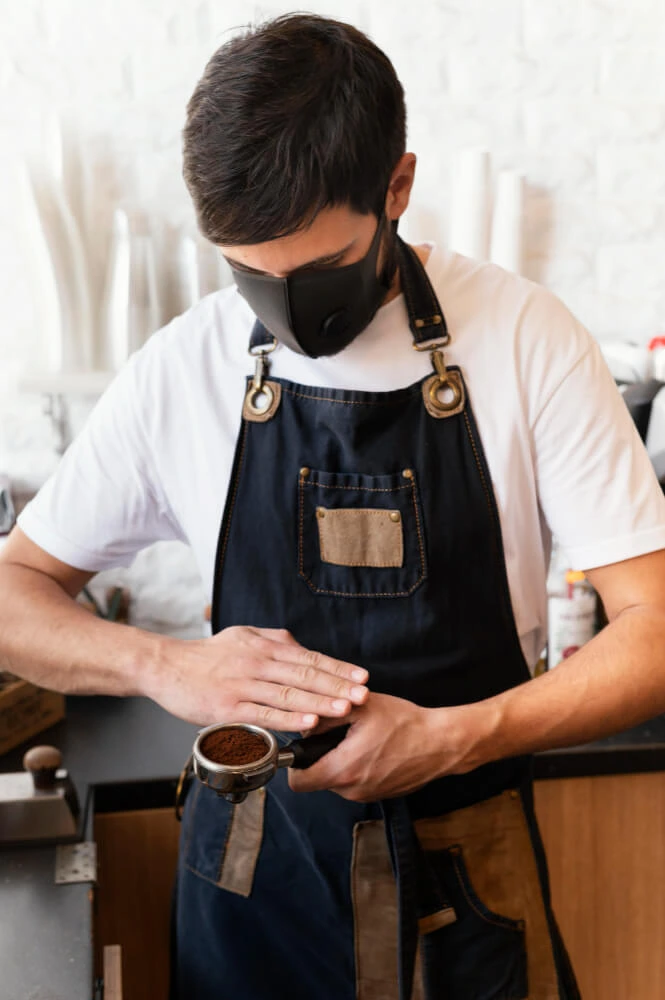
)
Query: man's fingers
[
  {"x": 309, "y": 679},
  {"x": 326, "y": 773},
  {"x": 294, "y": 699},
  {"x": 273, "y": 718},
  {"x": 281, "y": 635},
  {"x": 280, "y": 646},
  {"x": 316, "y": 778},
  {"x": 287, "y": 648},
  {"x": 308, "y": 658}
]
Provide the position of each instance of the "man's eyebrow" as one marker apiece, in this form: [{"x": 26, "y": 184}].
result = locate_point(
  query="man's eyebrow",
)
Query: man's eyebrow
[{"x": 327, "y": 259}]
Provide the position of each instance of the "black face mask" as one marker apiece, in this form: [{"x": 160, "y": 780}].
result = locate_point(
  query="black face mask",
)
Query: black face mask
[{"x": 320, "y": 312}]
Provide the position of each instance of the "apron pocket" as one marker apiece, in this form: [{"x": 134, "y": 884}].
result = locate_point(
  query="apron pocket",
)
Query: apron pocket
[
  {"x": 221, "y": 841},
  {"x": 360, "y": 536},
  {"x": 482, "y": 954}
]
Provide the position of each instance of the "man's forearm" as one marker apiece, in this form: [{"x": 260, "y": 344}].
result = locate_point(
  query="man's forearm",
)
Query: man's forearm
[
  {"x": 46, "y": 637},
  {"x": 614, "y": 682}
]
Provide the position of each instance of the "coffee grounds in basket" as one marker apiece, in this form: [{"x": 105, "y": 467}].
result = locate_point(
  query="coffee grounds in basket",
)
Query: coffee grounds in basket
[{"x": 234, "y": 746}]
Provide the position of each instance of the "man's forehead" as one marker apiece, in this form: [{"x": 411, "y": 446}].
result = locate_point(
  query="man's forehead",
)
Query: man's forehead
[{"x": 332, "y": 235}]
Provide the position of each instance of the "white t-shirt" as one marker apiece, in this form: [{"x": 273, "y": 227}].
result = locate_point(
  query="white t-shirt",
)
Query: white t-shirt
[{"x": 154, "y": 460}]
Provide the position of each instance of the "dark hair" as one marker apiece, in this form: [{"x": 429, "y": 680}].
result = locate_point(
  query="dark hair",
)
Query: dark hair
[{"x": 299, "y": 114}]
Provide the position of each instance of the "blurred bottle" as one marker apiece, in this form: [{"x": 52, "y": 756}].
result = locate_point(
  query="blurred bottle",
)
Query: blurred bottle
[
  {"x": 187, "y": 290},
  {"x": 131, "y": 307},
  {"x": 572, "y": 615},
  {"x": 7, "y": 515}
]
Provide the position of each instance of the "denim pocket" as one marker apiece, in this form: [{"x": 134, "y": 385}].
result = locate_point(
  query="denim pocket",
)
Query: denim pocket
[
  {"x": 206, "y": 826},
  {"x": 381, "y": 515},
  {"x": 482, "y": 955},
  {"x": 221, "y": 842}
]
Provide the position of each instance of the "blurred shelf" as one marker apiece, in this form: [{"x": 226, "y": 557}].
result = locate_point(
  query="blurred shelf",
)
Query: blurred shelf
[{"x": 66, "y": 383}]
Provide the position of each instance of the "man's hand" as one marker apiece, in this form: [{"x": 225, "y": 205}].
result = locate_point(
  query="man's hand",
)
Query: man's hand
[
  {"x": 254, "y": 675},
  {"x": 243, "y": 674},
  {"x": 392, "y": 747}
]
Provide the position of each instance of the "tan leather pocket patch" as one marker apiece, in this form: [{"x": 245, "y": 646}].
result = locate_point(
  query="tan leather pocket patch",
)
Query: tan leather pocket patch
[
  {"x": 360, "y": 536},
  {"x": 243, "y": 844}
]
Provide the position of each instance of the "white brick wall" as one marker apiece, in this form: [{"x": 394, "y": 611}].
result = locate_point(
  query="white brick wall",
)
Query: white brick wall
[{"x": 572, "y": 92}]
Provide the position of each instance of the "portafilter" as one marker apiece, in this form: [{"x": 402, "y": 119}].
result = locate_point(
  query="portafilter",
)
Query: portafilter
[{"x": 228, "y": 741}]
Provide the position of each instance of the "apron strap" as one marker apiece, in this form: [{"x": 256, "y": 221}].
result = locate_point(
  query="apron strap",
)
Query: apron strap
[
  {"x": 426, "y": 320},
  {"x": 260, "y": 337},
  {"x": 401, "y": 844},
  {"x": 419, "y": 894}
]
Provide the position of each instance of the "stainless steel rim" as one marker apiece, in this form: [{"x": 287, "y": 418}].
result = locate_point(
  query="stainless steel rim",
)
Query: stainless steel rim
[{"x": 211, "y": 765}]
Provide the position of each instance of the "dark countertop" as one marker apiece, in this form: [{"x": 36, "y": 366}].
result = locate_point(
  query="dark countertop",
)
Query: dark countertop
[
  {"x": 109, "y": 745},
  {"x": 113, "y": 743},
  {"x": 127, "y": 753},
  {"x": 630, "y": 752}
]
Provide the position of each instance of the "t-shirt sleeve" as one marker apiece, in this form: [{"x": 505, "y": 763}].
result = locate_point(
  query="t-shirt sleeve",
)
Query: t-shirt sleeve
[
  {"x": 596, "y": 485},
  {"x": 104, "y": 503}
]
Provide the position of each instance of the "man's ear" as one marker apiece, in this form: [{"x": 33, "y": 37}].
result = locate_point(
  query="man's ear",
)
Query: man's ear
[{"x": 399, "y": 188}]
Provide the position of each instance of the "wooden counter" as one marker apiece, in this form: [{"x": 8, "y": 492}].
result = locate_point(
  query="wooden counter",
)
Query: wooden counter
[
  {"x": 605, "y": 842},
  {"x": 603, "y": 820}
]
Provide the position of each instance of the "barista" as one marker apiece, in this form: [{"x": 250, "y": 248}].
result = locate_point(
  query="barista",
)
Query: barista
[{"x": 370, "y": 494}]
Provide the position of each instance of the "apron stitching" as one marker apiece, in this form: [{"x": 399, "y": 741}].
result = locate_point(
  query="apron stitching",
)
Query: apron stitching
[
  {"x": 236, "y": 484},
  {"x": 301, "y": 521},
  {"x": 346, "y": 402},
  {"x": 479, "y": 466},
  {"x": 205, "y": 878},
  {"x": 421, "y": 544},
  {"x": 363, "y": 489},
  {"x": 376, "y": 565},
  {"x": 222, "y": 856},
  {"x": 495, "y": 923},
  {"x": 341, "y": 593}
]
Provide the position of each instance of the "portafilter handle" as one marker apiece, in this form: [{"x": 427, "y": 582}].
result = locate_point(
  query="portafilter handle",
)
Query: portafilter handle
[
  {"x": 235, "y": 782},
  {"x": 305, "y": 752}
]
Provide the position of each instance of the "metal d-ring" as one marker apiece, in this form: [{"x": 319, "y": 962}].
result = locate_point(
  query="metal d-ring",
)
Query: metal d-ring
[
  {"x": 444, "y": 382},
  {"x": 263, "y": 389},
  {"x": 259, "y": 387}
]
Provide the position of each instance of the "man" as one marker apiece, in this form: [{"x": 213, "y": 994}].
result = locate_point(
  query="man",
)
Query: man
[{"x": 373, "y": 523}]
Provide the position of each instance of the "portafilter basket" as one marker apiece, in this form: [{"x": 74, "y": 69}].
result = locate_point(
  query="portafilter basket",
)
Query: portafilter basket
[{"x": 235, "y": 781}]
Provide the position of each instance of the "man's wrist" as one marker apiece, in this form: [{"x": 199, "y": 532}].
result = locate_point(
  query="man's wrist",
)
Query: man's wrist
[
  {"x": 467, "y": 736},
  {"x": 153, "y": 662}
]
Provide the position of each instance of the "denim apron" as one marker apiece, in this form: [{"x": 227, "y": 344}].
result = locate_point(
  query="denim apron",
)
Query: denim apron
[{"x": 365, "y": 523}]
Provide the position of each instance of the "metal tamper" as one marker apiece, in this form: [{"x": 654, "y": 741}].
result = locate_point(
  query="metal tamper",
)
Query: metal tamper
[
  {"x": 256, "y": 756},
  {"x": 39, "y": 804}
]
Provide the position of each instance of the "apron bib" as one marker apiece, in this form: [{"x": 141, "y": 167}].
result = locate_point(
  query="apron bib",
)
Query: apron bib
[{"x": 365, "y": 523}]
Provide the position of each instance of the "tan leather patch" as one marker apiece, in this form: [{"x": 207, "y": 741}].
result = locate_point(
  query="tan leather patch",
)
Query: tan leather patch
[
  {"x": 435, "y": 921},
  {"x": 375, "y": 917},
  {"x": 360, "y": 536},
  {"x": 243, "y": 844},
  {"x": 500, "y": 862}
]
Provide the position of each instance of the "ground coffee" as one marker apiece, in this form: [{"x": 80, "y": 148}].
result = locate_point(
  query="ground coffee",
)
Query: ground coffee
[{"x": 234, "y": 746}]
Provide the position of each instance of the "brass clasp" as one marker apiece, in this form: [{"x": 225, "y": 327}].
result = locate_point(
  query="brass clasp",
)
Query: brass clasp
[{"x": 261, "y": 397}]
